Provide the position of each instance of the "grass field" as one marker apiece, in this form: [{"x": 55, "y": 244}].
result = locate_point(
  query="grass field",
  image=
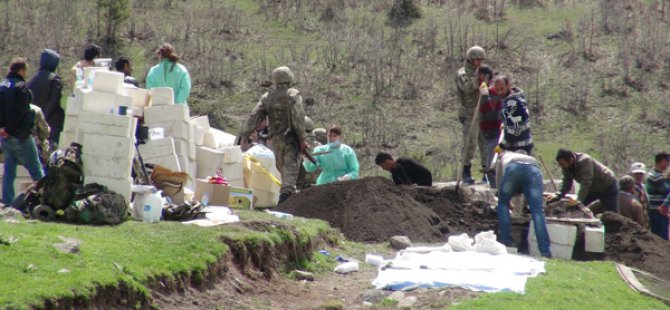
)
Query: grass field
[
  {"x": 33, "y": 270},
  {"x": 570, "y": 285}
]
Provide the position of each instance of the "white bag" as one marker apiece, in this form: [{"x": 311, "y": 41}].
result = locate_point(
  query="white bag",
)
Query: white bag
[
  {"x": 461, "y": 243},
  {"x": 486, "y": 243},
  {"x": 347, "y": 267}
]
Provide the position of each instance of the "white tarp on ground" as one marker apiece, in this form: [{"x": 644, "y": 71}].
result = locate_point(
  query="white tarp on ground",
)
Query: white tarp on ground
[
  {"x": 470, "y": 270},
  {"x": 215, "y": 216}
]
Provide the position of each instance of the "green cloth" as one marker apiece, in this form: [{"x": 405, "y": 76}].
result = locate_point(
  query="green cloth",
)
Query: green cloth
[
  {"x": 173, "y": 75},
  {"x": 339, "y": 162}
]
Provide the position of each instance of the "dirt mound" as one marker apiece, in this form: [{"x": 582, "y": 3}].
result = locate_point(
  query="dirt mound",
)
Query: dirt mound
[
  {"x": 368, "y": 210},
  {"x": 631, "y": 244},
  {"x": 456, "y": 211},
  {"x": 374, "y": 209},
  {"x": 564, "y": 210}
]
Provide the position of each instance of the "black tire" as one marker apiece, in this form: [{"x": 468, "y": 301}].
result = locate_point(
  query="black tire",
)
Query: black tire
[{"x": 43, "y": 213}]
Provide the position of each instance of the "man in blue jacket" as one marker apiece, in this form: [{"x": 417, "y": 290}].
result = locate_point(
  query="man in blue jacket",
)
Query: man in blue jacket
[
  {"x": 16, "y": 123},
  {"x": 46, "y": 87}
]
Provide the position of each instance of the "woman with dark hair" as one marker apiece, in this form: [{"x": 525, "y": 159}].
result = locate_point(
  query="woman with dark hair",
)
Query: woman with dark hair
[
  {"x": 337, "y": 161},
  {"x": 91, "y": 52},
  {"x": 170, "y": 73}
]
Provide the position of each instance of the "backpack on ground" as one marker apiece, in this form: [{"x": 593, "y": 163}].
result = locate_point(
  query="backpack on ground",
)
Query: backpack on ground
[
  {"x": 97, "y": 205},
  {"x": 57, "y": 189}
]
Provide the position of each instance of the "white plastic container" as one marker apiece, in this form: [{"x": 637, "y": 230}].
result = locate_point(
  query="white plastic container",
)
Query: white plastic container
[
  {"x": 152, "y": 208},
  {"x": 347, "y": 267},
  {"x": 374, "y": 260}
]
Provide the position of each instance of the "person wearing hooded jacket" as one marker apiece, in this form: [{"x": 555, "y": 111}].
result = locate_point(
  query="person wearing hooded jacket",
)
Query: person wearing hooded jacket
[
  {"x": 47, "y": 88},
  {"x": 515, "y": 117},
  {"x": 337, "y": 161},
  {"x": 170, "y": 73}
]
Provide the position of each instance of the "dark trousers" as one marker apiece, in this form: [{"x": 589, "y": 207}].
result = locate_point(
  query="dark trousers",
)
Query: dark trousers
[
  {"x": 609, "y": 200},
  {"x": 658, "y": 224}
]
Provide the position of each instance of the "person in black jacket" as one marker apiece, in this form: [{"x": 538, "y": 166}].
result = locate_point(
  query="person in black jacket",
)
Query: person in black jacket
[
  {"x": 47, "y": 88},
  {"x": 124, "y": 66},
  {"x": 16, "y": 123},
  {"x": 405, "y": 171}
]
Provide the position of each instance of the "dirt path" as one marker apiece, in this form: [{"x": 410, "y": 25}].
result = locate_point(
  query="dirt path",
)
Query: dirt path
[{"x": 251, "y": 290}]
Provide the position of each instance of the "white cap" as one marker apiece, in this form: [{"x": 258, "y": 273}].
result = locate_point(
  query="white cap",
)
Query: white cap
[{"x": 638, "y": 168}]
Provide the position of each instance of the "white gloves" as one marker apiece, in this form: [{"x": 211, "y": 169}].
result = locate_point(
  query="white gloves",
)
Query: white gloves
[
  {"x": 484, "y": 89},
  {"x": 345, "y": 177}
]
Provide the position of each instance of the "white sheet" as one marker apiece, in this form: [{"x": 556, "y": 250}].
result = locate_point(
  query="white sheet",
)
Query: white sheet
[
  {"x": 470, "y": 270},
  {"x": 215, "y": 216}
]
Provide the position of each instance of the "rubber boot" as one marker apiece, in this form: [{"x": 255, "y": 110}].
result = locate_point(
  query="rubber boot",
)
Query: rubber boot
[
  {"x": 467, "y": 175},
  {"x": 283, "y": 197}
]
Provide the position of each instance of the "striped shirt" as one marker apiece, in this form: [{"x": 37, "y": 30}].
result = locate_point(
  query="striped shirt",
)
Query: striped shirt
[{"x": 658, "y": 189}]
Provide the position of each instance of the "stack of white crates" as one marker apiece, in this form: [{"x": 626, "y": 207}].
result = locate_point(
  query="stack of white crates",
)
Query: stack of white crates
[
  {"x": 218, "y": 154},
  {"x": 175, "y": 121},
  {"x": 108, "y": 139},
  {"x": 160, "y": 152}
]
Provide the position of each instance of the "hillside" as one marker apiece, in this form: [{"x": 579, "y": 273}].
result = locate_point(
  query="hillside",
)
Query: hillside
[{"x": 595, "y": 71}]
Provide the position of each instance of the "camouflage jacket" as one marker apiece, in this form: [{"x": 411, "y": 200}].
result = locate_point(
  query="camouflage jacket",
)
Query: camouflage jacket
[
  {"x": 285, "y": 112},
  {"x": 467, "y": 90}
]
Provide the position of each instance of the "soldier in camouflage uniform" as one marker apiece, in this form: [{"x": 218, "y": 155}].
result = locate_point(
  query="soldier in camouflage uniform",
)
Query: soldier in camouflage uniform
[
  {"x": 283, "y": 107},
  {"x": 467, "y": 90},
  {"x": 41, "y": 132}
]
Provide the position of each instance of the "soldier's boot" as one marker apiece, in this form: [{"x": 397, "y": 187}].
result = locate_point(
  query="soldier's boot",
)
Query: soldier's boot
[
  {"x": 283, "y": 197},
  {"x": 467, "y": 175}
]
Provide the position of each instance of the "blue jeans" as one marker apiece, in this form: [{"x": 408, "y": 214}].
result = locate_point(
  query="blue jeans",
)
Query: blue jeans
[
  {"x": 658, "y": 224},
  {"x": 19, "y": 152},
  {"x": 526, "y": 179}
]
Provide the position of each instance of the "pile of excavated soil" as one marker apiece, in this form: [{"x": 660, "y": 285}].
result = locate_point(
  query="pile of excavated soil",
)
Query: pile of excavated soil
[
  {"x": 374, "y": 209},
  {"x": 367, "y": 210},
  {"x": 633, "y": 245},
  {"x": 563, "y": 210},
  {"x": 456, "y": 211}
]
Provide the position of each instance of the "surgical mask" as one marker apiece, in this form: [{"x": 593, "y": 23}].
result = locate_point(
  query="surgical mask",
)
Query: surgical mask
[{"x": 335, "y": 144}]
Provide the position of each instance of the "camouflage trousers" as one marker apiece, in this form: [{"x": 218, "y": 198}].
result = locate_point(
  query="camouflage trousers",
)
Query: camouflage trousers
[
  {"x": 287, "y": 163},
  {"x": 476, "y": 141}
]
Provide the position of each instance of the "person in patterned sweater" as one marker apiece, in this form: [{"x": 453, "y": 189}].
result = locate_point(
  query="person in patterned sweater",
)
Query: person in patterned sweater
[{"x": 658, "y": 188}]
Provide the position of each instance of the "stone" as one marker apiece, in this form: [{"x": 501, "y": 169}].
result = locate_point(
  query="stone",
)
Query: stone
[
  {"x": 162, "y": 96},
  {"x": 106, "y": 166},
  {"x": 157, "y": 114},
  {"x": 374, "y": 296},
  {"x": 408, "y": 302},
  {"x": 400, "y": 242},
  {"x": 69, "y": 245},
  {"x": 303, "y": 275},
  {"x": 397, "y": 296}
]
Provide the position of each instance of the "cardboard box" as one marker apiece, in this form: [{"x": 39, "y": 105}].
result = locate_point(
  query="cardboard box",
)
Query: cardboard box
[
  {"x": 162, "y": 96},
  {"x": 209, "y": 157},
  {"x": 184, "y": 147},
  {"x": 105, "y": 166},
  {"x": 73, "y": 106},
  {"x": 176, "y": 129},
  {"x": 95, "y": 144},
  {"x": 71, "y": 122},
  {"x": 108, "y": 119},
  {"x": 157, "y": 148},
  {"x": 264, "y": 199},
  {"x": 171, "y": 162},
  {"x": 223, "y": 195},
  {"x": 108, "y": 81},
  {"x": 166, "y": 114},
  {"x": 232, "y": 154},
  {"x": 99, "y": 102}
]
